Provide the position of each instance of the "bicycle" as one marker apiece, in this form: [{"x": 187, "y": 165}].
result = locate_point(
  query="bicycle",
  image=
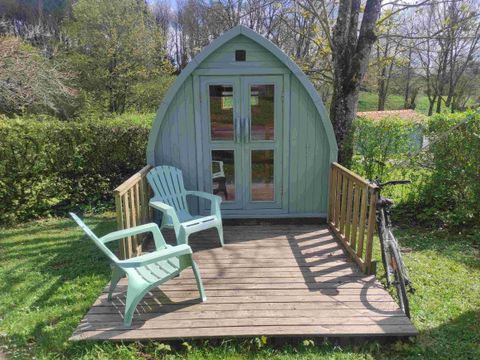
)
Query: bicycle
[{"x": 395, "y": 270}]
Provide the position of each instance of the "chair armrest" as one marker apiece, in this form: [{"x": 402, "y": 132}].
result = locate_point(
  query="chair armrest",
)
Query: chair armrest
[
  {"x": 214, "y": 199},
  {"x": 205, "y": 195},
  {"x": 156, "y": 256},
  {"x": 157, "y": 204},
  {"x": 120, "y": 234},
  {"x": 167, "y": 210}
]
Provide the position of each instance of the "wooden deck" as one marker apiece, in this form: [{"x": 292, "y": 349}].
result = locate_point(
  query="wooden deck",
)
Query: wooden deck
[{"x": 273, "y": 280}]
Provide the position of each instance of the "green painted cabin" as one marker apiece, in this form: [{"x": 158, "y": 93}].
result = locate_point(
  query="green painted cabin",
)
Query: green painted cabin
[{"x": 244, "y": 122}]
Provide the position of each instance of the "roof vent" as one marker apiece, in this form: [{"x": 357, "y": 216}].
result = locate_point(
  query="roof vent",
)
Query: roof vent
[{"x": 240, "y": 55}]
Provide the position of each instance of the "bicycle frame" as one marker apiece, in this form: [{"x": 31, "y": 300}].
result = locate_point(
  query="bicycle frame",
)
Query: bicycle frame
[{"x": 384, "y": 226}]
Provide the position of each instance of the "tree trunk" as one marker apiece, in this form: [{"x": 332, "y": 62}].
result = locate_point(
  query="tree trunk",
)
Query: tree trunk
[
  {"x": 350, "y": 54},
  {"x": 382, "y": 93},
  {"x": 412, "y": 99},
  {"x": 431, "y": 105},
  {"x": 343, "y": 109},
  {"x": 439, "y": 102},
  {"x": 407, "y": 85}
]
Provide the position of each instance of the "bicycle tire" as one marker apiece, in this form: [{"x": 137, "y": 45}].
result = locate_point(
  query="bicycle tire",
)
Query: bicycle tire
[
  {"x": 399, "y": 280},
  {"x": 382, "y": 234}
]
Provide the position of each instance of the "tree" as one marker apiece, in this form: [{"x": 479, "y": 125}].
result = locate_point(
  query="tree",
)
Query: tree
[
  {"x": 37, "y": 22},
  {"x": 451, "y": 33},
  {"x": 115, "y": 46},
  {"x": 387, "y": 56},
  {"x": 30, "y": 83},
  {"x": 351, "y": 50}
]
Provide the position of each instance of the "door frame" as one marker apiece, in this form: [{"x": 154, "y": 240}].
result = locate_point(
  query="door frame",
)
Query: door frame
[{"x": 203, "y": 175}]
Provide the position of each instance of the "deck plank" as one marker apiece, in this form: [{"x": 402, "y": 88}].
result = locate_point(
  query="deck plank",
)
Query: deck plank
[{"x": 272, "y": 280}]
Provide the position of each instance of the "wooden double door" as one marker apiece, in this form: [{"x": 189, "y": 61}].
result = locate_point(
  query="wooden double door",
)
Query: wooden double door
[{"x": 242, "y": 124}]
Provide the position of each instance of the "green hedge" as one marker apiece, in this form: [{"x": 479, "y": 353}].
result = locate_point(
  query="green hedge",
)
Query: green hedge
[
  {"x": 49, "y": 167},
  {"x": 445, "y": 189},
  {"x": 452, "y": 194},
  {"x": 376, "y": 142}
]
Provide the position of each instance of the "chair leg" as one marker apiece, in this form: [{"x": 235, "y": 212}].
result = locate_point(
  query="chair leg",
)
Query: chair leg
[
  {"x": 182, "y": 237},
  {"x": 220, "y": 233},
  {"x": 198, "y": 279},
  {"x": 117, "y": 274},
  {"x": 135, "y": 293}
]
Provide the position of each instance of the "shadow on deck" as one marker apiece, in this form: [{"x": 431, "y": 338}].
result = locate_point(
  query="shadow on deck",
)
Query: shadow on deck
[{"x": 272, "y": 280}]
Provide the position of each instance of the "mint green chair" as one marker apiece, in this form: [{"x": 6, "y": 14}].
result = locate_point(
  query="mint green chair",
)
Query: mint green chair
[
  {"x": 170, "y": 197},
  {"x": 147, "y": 271}
]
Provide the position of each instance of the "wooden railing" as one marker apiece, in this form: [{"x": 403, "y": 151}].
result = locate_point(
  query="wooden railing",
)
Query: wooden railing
[
  {"x": 351, "y": 214},
  {"x": 131, "y": 203}
]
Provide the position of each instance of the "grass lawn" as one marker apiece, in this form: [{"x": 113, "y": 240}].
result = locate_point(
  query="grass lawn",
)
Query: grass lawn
[
  {"x": 368, "y": 102},
  {"x": 50, "y": 275}
]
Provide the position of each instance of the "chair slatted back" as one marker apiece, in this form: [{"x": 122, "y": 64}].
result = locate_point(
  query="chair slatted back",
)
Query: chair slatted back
[
  {"x": 94, "y": 238},
  {"x": 167, "y": 184}
]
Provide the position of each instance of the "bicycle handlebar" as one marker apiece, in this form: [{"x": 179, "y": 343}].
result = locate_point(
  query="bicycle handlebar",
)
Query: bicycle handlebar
[
  {"x": 392, "y": 182},
  {"x": 395, "y": 182}
]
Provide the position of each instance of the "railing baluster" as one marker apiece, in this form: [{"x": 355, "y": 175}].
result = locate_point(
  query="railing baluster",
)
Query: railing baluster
[
  {"x": 343, "y": 207},
  {"x": 356, "y": 214},
  {"x": 348, "y": 215}
]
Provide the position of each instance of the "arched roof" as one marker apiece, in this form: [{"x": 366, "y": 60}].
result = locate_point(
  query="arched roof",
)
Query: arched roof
[{"x": 212, "y": 47}]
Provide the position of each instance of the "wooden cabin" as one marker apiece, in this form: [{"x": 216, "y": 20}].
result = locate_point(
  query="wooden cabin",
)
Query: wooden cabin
[{"x": 243, "y": 121}]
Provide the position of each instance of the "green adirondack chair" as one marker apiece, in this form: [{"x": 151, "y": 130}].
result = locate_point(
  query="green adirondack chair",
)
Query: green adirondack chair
[
  {"x": 170, "y": 197},
  {"x": 146, "y": 271}
]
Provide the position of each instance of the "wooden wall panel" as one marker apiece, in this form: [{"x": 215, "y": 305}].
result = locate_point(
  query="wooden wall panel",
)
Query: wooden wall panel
[
  {"x": 309, "y": 155},
  {"x": 224, "y": 57},
  {"x": 177, "y": 143}
]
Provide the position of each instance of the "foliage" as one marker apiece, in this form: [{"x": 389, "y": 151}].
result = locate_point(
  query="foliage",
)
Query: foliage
[
  {"x": 51, "y": 274},
  {"x": 30, "y": 83},
  {"x": 452, "y": 194},
  {"x": 147, "y": 95},
  {"x": 117, "y": 47},
  {"x": 48, "y": 166},
  {"x": 379, "y": 141}
]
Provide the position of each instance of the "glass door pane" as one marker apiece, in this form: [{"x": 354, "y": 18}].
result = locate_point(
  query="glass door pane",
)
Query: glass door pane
[
  {"x": 263, "y": 184},
  {"x": 262, "y": 112},
  {"x": 221, "y": 112},
  {"x": 223, "y": 174}
]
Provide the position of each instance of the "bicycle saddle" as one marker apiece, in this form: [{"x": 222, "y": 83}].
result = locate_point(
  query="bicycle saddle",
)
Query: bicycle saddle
[{"x": 384, "y": 202}]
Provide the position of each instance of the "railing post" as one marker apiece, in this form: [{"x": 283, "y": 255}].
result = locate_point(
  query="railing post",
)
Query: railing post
[
  {"x": 371, "y": 228},
  {"x": 331, "y": 194},
  {"x": 120, "y": 224}
]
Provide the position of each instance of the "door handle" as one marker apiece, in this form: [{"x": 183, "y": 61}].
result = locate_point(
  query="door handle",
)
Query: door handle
[
  {"x": 238, "y": 130},
  {"x": 246, "y": 131}
]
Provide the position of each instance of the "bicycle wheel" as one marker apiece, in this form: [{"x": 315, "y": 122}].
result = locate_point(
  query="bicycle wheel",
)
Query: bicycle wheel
[
  {"x": 382, "y": 235},
  {"x": 399, "y": 282}
]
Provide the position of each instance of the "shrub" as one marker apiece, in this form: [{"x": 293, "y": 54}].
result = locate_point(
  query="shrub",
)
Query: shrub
[
  {"x": 49, "y": 167},
  {"x": 452, "y": 193},
  {"x": 377, "y": 142}
]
